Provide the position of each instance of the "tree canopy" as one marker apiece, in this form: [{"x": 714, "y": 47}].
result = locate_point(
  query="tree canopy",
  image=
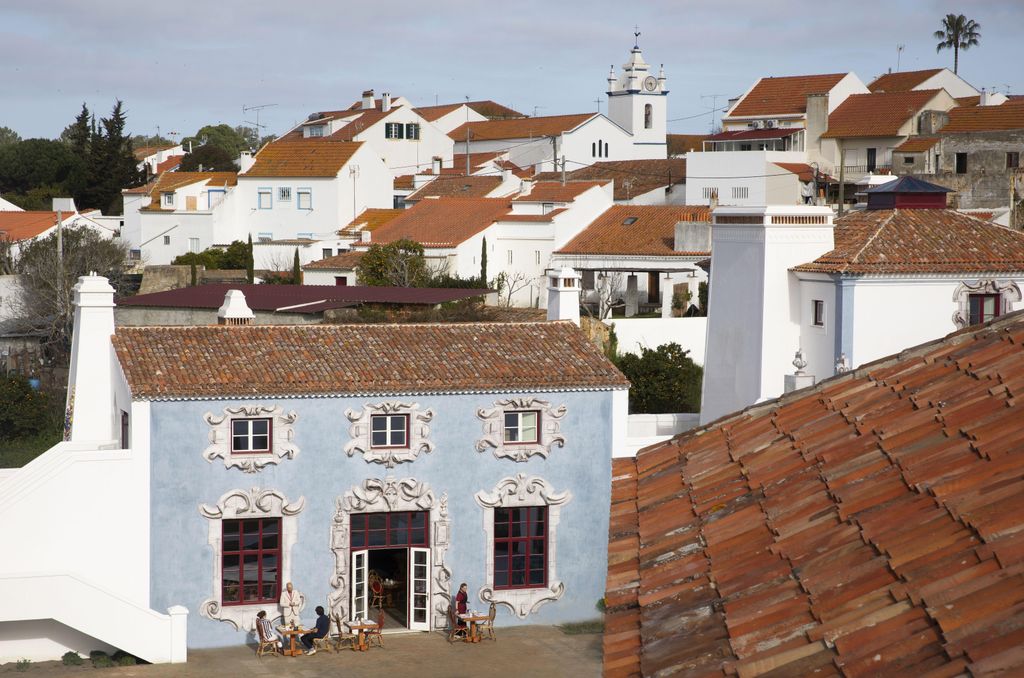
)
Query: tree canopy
[
  {"x": 210, "y": 158},
  {"x": 396, "y": 264},
  {"x": 958, "y": 33},
  {"x": 664, "y": 380},
  {"x": 8, "y": 136},
  {"x": 237, "y": 256},
  {"x": 223, "y": 136}
]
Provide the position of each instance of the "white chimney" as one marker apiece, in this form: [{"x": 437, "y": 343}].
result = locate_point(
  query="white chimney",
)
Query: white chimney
[
  {"x": 234, "y": 310},
  {"x": 364, "y": 236},
  {"x": 435, "y": 164},
  {"x": 245, "y": 162},
  {"x": 506, "y": 175},
  {"x": 564, "y": 295},
  {"x": 90, "y": 401},
  {"x": 983, "y": 99},
  {"x": 385, "y": 101}
]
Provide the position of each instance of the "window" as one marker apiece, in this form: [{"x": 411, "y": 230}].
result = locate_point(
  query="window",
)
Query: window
[
  {"x": 818, "y": 312},
  {"x": 710, "y": 192},
  {"x": 304, "y": 199},
  {"x": 389, "y": 430},
  {"x": 600, "y": 148},
  {"x": 395, "y": 528},
  {"x": 872, "y": 159},
  {"x": 124, "y": 430},
  {"x": 341, "y": 281},
  {"x": 547, "y": 207},
  {"x": 167, "y": 240},
  {"x": 316, "y": 130},
  {"x": 536, "y": 256},
  {"x": 284, "y": 193},
  {"x": 521, "y": 427},
  {"x": 1012, "y": 159},
  {"x": 961, "y": 163},
  {"x": 398, "y": 202},
  {"x": 510, "y": 256},
  {"x": 629, "y": 221},
  {"x": 746, "y": 147},
  {"x": 264, "y": 199},
  {"x": 984, "y": 307},
  {"x": 648, "y": 116},
  {"x": 606, "y": 149},
  {"x": 251, "y": 559},
  {"x": 168, "y": 199},
  {"x": 394, "y": 130},
  {"x": 520, "y": 547},
  {"x": 214, "y": 198},
  {"x": 593, "y": 150},
  {"x": 326, "y": 252},
  {"x": 908, "y": 160},
  {"x": 412, "y": 130},
  {"x": 740, "y": 192},
  {"x": 193, "y": 245},
  {"x": 250, "y": 435}
]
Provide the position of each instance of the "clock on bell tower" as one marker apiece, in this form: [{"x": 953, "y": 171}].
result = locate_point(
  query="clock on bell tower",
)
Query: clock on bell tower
[{"x": 637, "y": 102}]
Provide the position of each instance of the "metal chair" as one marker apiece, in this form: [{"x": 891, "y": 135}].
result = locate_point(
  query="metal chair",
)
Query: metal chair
[
  {"x": 376, "y": 635},
  {"x": 454, "y": 630},
  {"x": 487, "y": 627}
]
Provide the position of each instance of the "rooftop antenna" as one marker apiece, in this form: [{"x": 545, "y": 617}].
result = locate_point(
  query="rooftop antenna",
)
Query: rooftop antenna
[
  {"x": 257, "y": 125},
  {"x": 536, "y": 108},
  {"x": 714, "y": 108},
  {"x": 899, "y": 53}
]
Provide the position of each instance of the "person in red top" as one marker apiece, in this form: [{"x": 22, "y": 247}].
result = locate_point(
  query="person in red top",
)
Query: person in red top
[{"x": 461, "y": 602}]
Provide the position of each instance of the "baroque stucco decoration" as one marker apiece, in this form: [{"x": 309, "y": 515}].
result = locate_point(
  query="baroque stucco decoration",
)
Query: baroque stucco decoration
[
  {"x": 517, "y": 491},
  {"x": 1007, "y": 290},
  {"x": 240, "y": 504},
  {"x": 282, "y": 432},
  {"x": 377, "y": 495},
  {"x": 548, "y": 435},
  {"x": 418, "y": 435}
]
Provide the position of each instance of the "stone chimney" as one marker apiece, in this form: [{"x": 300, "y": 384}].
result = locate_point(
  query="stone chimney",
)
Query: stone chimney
[
  {"x": 385, "y": 101},
  {"x": 930, "y": 122},
  {"x": 368, "y": 99},
  {"x": 817, "y": 121},
  {"x": 234, "y": 310},
  {"x": 564, "y": 295},
  {"x": 435, "y": 164},
  {"x": 89, "y": 409}
]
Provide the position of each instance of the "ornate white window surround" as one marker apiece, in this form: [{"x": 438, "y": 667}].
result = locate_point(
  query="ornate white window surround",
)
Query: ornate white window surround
[
  {"x": 375, "y": 495},
  {"x": 515, "y": 492},
  {"x": 1007, "y": 290},
  {"x": 241, "y": 504},
  {"x": 418, "y": 434},
  {"x": 549, "y": 434},
  {"x": 282, "y": 435}
]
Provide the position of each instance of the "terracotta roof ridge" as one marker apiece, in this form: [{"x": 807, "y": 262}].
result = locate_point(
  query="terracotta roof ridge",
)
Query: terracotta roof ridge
[{"x": 870, "y": 240}]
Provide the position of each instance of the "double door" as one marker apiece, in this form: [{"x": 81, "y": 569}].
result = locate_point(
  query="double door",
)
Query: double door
[{"x": 417, "y": 587}]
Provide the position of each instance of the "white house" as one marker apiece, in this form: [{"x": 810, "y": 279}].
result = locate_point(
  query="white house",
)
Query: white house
[
  {"x": 447, "y": 117},
  {"x": 933, "y": 78},
  {"x": 787, "y": 278},
  {"x": 21, "y": 227},
  {"x": 156, "y": 160}
]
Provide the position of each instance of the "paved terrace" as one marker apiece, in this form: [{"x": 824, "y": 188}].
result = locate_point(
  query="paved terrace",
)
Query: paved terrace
[{"x": 522, "y": 651}]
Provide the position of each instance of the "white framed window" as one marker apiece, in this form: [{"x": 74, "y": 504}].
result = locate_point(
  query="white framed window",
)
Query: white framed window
[
  {"x": 284, "y": 193},
  {"x": 389, "y": 430},
  {"x": 193, "y": 245},
  {"x": 394, "y": 130},
  {"x": 264, "y": 198},
  {"x": 214, "y": 198},
  {"x": 709, "y": 192},
  {"x": 412, "y": 130},
  {"x": 389, "y": 433},
  {"x": 304, "y": 199},
  {"x": 251, "y": 435},
  {"x": 547, "y": 207},
  {"x": 326, "y": 252},
  {"x": 168, "y": 199},
  {"x": 316, "y": 130},
  {"x": 521, "y": 427}
]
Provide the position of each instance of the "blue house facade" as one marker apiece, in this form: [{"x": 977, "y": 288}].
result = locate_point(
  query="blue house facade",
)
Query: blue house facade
[{"x": 374, "y": 467}]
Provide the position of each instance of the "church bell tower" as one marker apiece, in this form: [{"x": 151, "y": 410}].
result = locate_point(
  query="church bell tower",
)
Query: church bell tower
[{"x": 637, "y": 102}]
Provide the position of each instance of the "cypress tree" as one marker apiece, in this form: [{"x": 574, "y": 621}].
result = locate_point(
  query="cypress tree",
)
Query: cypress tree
[
  {"x": 250, "y": 274},
  {"x": 296, "y": 271},
  {"x": 483, "y": 264},
  {"x": 192, "y": 271}
]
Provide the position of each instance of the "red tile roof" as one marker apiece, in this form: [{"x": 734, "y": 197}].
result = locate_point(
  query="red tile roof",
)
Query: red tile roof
[
  {"x": 755, "y": 134},
  {"x": 143, "y": 152},
  {"x": 554, "y": 191},
  {"x": 489, "y": 109},
  {"x": 783, "y": 96},
  {"x": 442, "y": 222},
  {"x": 803, "y": 171},
  {"x": 631, "y": 177},
  {"x": 344, "y": 261},
  {"x": 432, "y": 113},
  {"x": 456, "y": 186},
  {"x": 901, "y": 82},
  {"x": 302, "y": 159},
  {"x": 519, "y": 128},
  {"x": 886, "y": 242},
  {"x": 316, "y": 360},
  {"x": 651, "y": 231},
  {"x": 868, "y": 526},
  {"x": 1009, "y": 115},
  {"x": 169, "y": 164},
  {"x": 876, "y": 115},
  {"x": 370, "y": 219},
  {"x": 917, "y": 144},
  {"x": 16, "y": 226}
]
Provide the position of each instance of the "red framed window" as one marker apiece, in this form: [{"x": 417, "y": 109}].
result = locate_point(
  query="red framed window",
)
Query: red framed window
[
  {"x": 250, "y": 435},
  {"x": 984, "y": 307},
  {"x": 389, "y": 430},
  {"x": 250, "y": 561},
  {"x": 520, "y": 547},
  {"x": 522, "y": 427},
  {"x": 388, "y": 530}
]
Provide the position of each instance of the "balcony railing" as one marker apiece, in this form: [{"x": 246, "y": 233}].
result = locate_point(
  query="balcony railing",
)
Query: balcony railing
[{"x": 860, "y": 170}]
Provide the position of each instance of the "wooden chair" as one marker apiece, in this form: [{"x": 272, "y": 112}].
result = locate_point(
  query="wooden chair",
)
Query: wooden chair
[
  {"x": 454, "y": 630},
  {"x": 376, "y": 635},
  {"x": 487, "y": 627},
  {"x": 265, "y": 644},
  {"x": 343, "y": 637}
]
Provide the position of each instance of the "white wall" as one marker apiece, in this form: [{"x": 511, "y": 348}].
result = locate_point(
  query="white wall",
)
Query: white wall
[
  {"x": 725, "y": 170},
  {"x": 636, "y": 333},
  {"x": 407, "y": 156},
  {"x": 460, "y": 116},
  {"x": 818, "y": 343}
]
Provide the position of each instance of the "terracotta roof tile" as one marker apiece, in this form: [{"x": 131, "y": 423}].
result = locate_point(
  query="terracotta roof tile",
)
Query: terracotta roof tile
[
  {"x": 860, "y": 527},
  {"x": 16, "y": 225},
  {"x": 554, "y": 191},
  {"x": 302, "y": 159},
  {"x": 406, "y": 182},
  {"x": 345, "y": 261},
  {"x": 903, "y": 81},
  {"x": 679, "y": 144},
  {"x": 142, "y": 152},
  {"x": 783, "y": 96},
  {"x": 442, "y": 222},
  {"x": 519, "y": 128},
  {"x": 917, "y": 144},
  {"x": 172, "y": 181},
  {"x": 169, "y": 164},
  {"x": 651, "y": 231},
  {"x": 489, "y": 109},
  {"x": 919, "y": 241},
  {"x": 876, "y": 115},
  {"x": 456, "y": 186},
  {"x": 1009, "y": 115},
  {"x": 370, "y": 219},
  {"x": 309, "y": 360},
  {"x": 631, "y": 177}
]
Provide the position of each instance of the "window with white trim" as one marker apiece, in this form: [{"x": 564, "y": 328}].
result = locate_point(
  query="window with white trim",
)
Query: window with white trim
[
  {"x": 250, "y": 436},
  {"x": 412, "y": 130},
  {"x": 520, "y": 547},
  {"x": 389, "y": 430},
  {"x": 394, "y": 130},
  {"x": 250, "y": 561},
  {"x": 168, "y": 199},
  {"x": 316, "y": 130},
  {"x": 193, "y": 245},
  {"x": 521, "y": 427},
  {"x": 817, "y": 312},
  {"x": 304, "y": 199},
  {"x": 264, "y": 199},
  {"x": 167, "y": 240}
]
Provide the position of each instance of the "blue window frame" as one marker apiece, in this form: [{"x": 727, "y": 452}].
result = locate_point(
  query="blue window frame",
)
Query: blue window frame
[
  {"x": 304, "y": 198},
  {"x": 264, "y": 198}
]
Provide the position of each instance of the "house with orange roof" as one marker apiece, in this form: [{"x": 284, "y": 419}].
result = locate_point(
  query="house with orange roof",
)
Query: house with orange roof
[
  {"x": 932, "y": 78},
  {"x": 156, "y": 160},
  {"x": 20, "y": 227},
  {"x": 447, "y": 117}
]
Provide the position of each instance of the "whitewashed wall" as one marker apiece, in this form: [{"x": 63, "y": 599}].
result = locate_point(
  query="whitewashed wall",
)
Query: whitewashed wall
[{"x": 637, "y": 333}]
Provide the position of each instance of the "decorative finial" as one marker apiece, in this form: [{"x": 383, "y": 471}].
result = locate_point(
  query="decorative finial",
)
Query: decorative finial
[
  {"x": 798, "y": 361},
  {"x": 841, "y": 365},
  {"x": 636, "y": 37}
]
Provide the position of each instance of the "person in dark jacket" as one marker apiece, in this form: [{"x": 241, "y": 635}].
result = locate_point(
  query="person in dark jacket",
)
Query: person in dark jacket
[{"x": 323, "y": 626}]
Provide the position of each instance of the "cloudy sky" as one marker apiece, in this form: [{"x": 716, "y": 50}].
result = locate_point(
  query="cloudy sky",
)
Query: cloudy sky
[{"x": 183, "y": 64}]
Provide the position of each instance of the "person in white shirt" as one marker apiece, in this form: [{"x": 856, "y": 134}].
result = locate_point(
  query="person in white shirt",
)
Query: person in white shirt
[{"x": 292, "y": 603}]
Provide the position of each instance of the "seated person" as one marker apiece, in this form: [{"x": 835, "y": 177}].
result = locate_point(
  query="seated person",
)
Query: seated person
[
  {"x": 323, "y": 626},
  {"x": 264, "y": 629}
]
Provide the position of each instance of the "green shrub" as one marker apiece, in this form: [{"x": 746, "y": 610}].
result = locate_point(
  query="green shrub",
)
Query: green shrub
[
  {"x": 71, "y": 658},
  {"x": 100, "y": 660},
  {"x": 664, "y": 380},
  {"x": 126, "y": 660},
  {"x": 23, "y": 665}
]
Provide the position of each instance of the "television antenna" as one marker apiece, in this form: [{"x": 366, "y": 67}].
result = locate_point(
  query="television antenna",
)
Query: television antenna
[
  {"x": 256, "y": 125},
  {"x": 714, "y": 107},
  {"x": 899, "y": 53}
]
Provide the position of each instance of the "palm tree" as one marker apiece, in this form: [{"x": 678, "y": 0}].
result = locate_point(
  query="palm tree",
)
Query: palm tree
[{"x": 958, "y": 32}]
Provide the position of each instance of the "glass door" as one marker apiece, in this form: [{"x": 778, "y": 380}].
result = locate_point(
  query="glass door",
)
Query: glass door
[
  {"x": 359, "y": 585},
  {"x": 419, "y": 589}
]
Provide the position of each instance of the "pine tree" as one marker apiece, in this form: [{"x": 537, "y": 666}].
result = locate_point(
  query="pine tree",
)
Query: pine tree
[{"x": 79, "y": 134}]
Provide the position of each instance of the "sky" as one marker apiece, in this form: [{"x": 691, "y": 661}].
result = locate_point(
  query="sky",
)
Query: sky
[{"x": 181, "y": 65}]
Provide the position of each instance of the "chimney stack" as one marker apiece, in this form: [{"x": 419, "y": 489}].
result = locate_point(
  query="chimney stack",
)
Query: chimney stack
[
  {"x": 367, "y": 99},
  {"x": 385, "y": 101},
  {"x": 234, "y": 311},
  {"x": 90, "y": 403},
  {"x": 564, "y": 295},
  {"x": 435, "y": 164},
  {"x": 983, "y": 100}
]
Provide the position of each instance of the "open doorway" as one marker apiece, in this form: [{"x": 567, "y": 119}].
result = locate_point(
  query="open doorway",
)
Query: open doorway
[{"x": 389, "y": 585}]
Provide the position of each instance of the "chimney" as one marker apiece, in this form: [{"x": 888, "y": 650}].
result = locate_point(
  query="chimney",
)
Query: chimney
[
  {"x": 385, "y": 101},
  {"x": 234, "y": 311},
  {"x": 564, "y": 295},
  {"x": 367, "y": 99},
  {"x": 245, "y": 162},
  {"x": 90, "y": 401},
  {"x": 692, "y": 236},
  {"x": 983, "y": 100},
  {"x": 506, "y": 175},
  {"x": 527, "y": 188},
  {"x": 817, "y": 122},
  {"x": 435, "y": 164},
  {"x": 364, "y": 236}
]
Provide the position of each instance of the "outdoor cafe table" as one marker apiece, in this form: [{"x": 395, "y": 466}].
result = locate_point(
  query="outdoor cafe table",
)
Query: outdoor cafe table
[
  {"x": 474, "y": 618},
  {"x": 292, "y": 635},
  {"x": 361, "y": 627}
]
